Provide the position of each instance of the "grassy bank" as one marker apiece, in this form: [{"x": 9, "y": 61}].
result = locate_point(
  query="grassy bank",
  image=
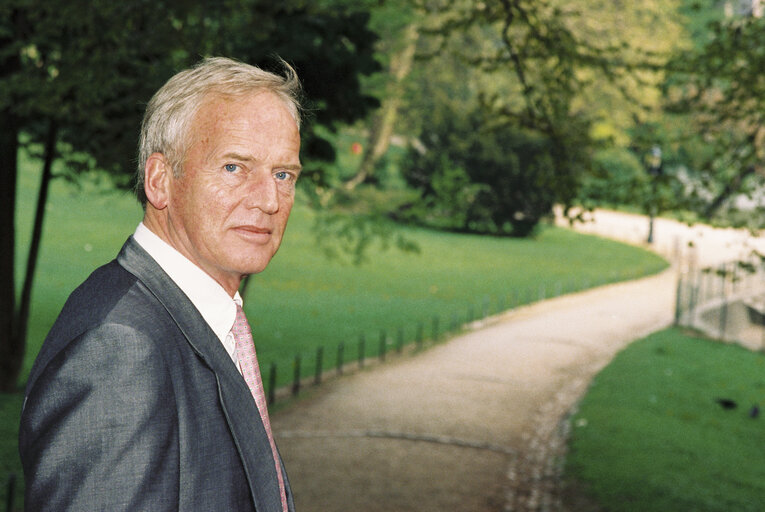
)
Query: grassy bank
[{"x": 651, "y": 433}]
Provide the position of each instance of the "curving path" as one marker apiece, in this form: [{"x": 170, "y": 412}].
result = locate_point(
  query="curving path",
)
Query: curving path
[{"x": 475, "y": 424}]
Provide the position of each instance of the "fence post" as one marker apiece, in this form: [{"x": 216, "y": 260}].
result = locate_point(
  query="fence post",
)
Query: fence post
[
  {"x": 319, "y": 365},
  {"x": 724, "y": 304},
  {"x": 762, "y": 278},
  {"x": 693, "y": 294},
  {"x": 362, "y": 350},
  {"x": 296, "y": 376},
  {"x": 11, "y": 492},
  {"x": 340, "y": 357},
  {"x": 678, "y": 299},
  {"x": 272, "y": 384}
]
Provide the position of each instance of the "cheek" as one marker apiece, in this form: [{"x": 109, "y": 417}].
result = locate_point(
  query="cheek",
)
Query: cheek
[
  {"x": 284, "y": 212},
  {"x": 221, "y": 204}
]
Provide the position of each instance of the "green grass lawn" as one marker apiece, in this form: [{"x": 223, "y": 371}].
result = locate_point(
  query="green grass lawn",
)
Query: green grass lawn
[
  {"x": 303, "y": 300},
  {"x": 650, "y": 435}
]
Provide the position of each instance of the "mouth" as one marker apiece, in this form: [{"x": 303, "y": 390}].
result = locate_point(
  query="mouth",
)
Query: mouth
[{"x": 253, "y": 233}]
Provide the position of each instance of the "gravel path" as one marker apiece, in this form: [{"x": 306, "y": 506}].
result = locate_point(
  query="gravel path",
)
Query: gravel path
[{"x": 476, "y": 423}]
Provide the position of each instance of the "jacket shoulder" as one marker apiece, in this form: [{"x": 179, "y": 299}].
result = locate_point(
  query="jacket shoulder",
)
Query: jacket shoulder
[{"x": 109, "y": 295}]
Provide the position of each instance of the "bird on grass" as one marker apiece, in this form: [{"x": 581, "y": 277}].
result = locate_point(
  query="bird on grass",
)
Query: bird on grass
[{"x": 726, "y": 403}]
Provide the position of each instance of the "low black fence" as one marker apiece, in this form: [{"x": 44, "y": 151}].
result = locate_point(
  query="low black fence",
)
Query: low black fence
[{"x": 310, "y": 369}]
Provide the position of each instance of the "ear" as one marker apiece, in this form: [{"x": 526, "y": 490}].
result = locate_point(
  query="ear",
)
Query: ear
[{"x": 156, "y": 180}]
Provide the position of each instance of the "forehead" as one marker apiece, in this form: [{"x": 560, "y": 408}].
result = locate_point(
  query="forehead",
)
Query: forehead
[
  {"x": 258, "y": 105},
  {"x": 261, "y": 116}
]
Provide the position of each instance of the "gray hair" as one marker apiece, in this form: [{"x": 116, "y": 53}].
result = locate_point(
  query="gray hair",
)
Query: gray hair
[{"x": 170, "y": 111}]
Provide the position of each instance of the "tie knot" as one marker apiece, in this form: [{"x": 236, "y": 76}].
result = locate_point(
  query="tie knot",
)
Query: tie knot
[
  {"x": 241, "y": 328},
  {"x": 240, "y": 313}
]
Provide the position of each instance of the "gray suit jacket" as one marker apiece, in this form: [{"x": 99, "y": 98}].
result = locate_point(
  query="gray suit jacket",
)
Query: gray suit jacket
[{"x": 134, "y": 404}]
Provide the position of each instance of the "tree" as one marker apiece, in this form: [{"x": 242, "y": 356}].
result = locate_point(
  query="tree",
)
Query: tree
[
  {"x": 74, "y": 76},
  {"x": 718, "y": 87},
  {"x": 525, "y": 68},
  {"x": 401, "y": 23},
  {"x": 477, "y": 177}
]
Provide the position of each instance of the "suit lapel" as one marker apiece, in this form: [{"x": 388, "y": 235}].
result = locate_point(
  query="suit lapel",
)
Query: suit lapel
[{"x": 237, "y": 403}]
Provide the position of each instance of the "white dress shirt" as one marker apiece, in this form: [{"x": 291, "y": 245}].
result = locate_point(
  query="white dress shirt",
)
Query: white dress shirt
[{"x": 211, "y": 300}]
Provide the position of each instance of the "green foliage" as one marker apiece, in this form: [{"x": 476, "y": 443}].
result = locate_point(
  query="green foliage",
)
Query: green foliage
[
  {"x": 634, "y": 176},
  {"x": 92, "y": 66},
  {"x": 719, "y": 90},
  {"x": 478, "y": 178},
  {"x": 617, "y": 178},
  {"x": 85, "y": 67},
  {"x": 521, "y": 85},
  {"x": 649, "y": 434}
]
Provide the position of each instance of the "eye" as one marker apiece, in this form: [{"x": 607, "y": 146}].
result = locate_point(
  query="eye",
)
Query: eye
[
  {"x": 282, "y": 175},
  {"x": 231, "y": 167}
]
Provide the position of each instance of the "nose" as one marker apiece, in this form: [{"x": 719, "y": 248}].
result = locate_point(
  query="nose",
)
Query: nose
[{"x": 262, "y": 192}]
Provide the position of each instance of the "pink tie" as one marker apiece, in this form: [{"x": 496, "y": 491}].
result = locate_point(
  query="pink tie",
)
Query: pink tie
[{"x": 248, "y": 362}]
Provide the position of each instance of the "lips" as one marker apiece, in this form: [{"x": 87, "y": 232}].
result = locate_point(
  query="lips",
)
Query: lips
[
  {"x": 257, "y": 234},
  {"x": 254, "y": 229}
]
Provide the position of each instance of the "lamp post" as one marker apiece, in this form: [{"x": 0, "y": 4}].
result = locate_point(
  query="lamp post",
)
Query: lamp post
[{"x": 653, "y": 161}]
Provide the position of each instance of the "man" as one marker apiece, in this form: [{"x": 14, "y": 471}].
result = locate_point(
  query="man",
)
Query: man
[{"x": 146, "y": 394}]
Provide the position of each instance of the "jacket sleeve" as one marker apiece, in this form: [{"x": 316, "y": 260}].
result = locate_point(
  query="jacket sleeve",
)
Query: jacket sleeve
[{"x": 99, "y": 428}]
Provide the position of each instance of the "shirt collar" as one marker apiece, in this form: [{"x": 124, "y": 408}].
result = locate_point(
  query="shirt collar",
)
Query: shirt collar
[{"x": 215, "y": 305}]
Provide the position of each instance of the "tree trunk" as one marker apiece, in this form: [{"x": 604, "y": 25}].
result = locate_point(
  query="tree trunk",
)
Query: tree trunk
[
  {"x": 22, "y": 322},
  {"x": 731, "y": 187},
  {"x": 385, "y": 120},
  {"x": 10, "y": 353}
]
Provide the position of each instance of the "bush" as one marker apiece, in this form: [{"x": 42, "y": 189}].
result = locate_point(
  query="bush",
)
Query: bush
[
  {"x": 618, "y": 178},
  {"x": 475, "y": 176}
]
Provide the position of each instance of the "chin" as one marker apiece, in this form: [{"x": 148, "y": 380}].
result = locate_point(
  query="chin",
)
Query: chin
[{"x": 256, "y": 266}]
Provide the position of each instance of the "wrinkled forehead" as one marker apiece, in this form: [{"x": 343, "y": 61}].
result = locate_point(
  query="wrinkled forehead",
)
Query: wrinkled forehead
[
  {"x": 262, "y": 112},
  {"x": 254, "y": 127},
  {"x": 224, "y": 97}
]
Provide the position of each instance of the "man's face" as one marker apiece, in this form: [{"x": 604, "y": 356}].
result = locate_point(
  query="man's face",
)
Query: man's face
[{"x": 228, "y": 210}]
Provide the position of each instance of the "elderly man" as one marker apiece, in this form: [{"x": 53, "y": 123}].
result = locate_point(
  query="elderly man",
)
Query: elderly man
[{"x": 146, "y": 394}]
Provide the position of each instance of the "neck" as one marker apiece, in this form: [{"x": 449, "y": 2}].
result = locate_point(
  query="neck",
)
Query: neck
[{"x": 157, "y": 224}]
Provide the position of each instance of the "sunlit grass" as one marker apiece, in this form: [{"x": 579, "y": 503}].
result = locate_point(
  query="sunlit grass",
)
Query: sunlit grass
[{"x": 650, "y": 434}]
